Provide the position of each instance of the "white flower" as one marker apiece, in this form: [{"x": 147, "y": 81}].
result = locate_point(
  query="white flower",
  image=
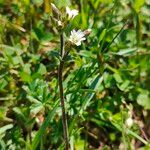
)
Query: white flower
[
  {"x": 77, "y": 37},
  {"x": 129, "y": 122},
  {"x": 71, "y": 13}
]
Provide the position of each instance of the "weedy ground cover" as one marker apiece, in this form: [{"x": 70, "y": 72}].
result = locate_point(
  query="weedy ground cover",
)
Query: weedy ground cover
[{"x": 74, "y": 74}]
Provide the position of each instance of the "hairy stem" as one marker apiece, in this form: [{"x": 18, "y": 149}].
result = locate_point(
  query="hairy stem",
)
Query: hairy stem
[{"x": 61, "y": 92}]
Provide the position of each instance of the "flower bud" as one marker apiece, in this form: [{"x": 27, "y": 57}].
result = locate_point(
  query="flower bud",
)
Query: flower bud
[
  {"x": 87, "y": 32},
  {"x": 55, "y": 10},
  {"x": 56, "y": 22},
  {"x": 129, "y": 122},
  {"x": 59, "y": 23}
]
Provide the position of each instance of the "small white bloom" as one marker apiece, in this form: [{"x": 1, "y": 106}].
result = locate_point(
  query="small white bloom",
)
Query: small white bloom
[
  {"x": 71, "y": 13},
  {"x": 59, "y": 23},
  {"x": 129, "y": 122},
  {"x": 77, "y": 37}
]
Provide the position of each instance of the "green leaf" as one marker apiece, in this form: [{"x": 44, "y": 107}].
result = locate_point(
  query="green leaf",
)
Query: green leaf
[
  {"x": 5, "y": 128},
  {"x": 26, "y": 68},
  {"x": 106, "y": 1},
  {"x": 137, "y": 136},
  {"x": 3, "y": 112},
  {"x": 9, "y": 50},
  {"x": 138, "y": 4},
  {"x": 94, "y": 86},
  {"x": 17, "y": 60},
  {"x": 108, "y": 80},
  {"x": 36, "y": 108},
  {"x": 42, "y": 69},
  {"x": 37, "y": 2},
  {"x": 86, "y": 53},
  {"x": 79, "y": 145},
  {"x": 25, "y": 77},
  {"x": 102, "y": 35},
  {"x": 124, "y": 86},
  {"x": 118, "y": 78},
  {"x": 117, "y": 122},
  {"x": 42, "y": 129},
  {"x": 143, "y": 99},
  {"x": 3, "y": 84},
  {"x": 19, "y": 113},
  {"x": 47, "y": 37},
  {"x": 27, "y": 2},
  {"x": 62, "y": 3},
  {"x": 126, "y": 52}
]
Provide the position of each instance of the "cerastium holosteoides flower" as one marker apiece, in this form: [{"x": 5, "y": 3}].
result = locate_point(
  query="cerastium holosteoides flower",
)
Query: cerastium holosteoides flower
[{"x": 61, "y": 20}]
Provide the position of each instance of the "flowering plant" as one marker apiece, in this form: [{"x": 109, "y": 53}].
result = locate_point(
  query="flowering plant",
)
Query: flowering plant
[{"x": 75, "y": 38}]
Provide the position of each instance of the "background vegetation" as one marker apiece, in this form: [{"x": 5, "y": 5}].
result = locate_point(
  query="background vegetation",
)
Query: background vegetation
[{"x": 106, "y": 80}]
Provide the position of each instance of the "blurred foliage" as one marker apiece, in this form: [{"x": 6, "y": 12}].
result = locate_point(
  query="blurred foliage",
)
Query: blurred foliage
[{"x": 106, "y": 80}]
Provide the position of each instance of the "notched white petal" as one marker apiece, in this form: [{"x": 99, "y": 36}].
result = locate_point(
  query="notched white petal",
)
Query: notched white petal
[
  {"x": 77, "y": 37},
  {"x": 71, "y": 13}
]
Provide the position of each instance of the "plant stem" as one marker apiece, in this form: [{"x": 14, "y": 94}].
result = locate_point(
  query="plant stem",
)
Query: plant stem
[
  {"x": 61, "y": 92},
  {"x": 30, "y": 137},
  {"x": 62, "y": 48}
]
